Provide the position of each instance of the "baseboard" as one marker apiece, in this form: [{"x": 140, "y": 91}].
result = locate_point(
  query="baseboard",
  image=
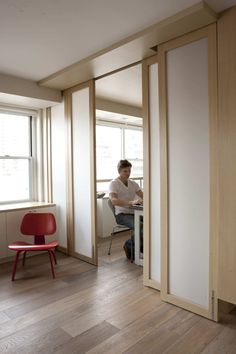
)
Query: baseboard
[
  {"x": 225, "y": 307},
  {"x": 62, "y": 249}
]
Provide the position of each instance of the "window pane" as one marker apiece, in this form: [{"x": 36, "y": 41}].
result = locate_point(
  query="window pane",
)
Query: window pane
[
  {"x": 133, "y": 144},
  {"x": 14, "y": 180},
  {"x": 14, "y": 135},
  {"x": 103, "y": 186},
  {"x": 108, "y": 152},
  {"x": 137, "y": 168},
  {"x": 134, "y": 150}
]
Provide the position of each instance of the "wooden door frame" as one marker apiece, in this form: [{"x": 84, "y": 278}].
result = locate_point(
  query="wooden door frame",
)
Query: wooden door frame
[
  {"x": 148, "y": 281},
  {"x": 69, "y": 177},
  {"x": 210, "y": 33}
]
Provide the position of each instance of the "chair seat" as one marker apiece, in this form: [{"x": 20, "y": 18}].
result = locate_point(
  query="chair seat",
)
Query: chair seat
[
  {"x": 25, "y": 246},
  {"x": 120, "y": 228}
]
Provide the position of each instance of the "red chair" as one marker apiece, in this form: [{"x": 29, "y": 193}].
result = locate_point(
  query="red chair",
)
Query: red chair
[{"x": 37, "y": 225}]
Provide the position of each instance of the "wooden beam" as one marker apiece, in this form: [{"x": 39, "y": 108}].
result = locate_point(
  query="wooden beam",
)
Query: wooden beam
[{"x": 132, "y": 49}]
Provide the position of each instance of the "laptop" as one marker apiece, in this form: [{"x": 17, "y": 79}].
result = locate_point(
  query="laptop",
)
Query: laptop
[{"x": 137, "y": 207}]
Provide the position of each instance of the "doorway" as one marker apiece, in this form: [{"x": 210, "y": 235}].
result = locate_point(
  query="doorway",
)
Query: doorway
[{"x": 119, "y": 135}]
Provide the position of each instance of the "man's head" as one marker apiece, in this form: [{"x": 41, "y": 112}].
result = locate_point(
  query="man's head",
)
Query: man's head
[{"x": 124, "y": 169}]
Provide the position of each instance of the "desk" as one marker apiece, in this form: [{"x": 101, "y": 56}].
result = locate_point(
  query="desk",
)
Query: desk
[{"x": 138, "y": 212}]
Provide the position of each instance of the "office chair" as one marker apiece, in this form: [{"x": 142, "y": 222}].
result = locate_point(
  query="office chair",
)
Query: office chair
[
  {"x": 38, "y": 225},
  {"x": 117, "y": 229}
]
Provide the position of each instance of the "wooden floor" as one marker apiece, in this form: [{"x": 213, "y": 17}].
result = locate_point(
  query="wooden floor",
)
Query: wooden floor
[{"x": 99, "y": 310}]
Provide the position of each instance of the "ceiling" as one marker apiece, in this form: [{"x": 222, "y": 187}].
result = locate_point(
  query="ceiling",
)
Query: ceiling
[
  {"x": 39, "y": 38},
  {"x": 104, "y": 116},
  {"x": 124, "y": 87}
]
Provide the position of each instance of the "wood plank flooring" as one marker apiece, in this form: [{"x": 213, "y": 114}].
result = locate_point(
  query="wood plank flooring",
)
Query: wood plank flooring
[{"x": 99, "y": 310}]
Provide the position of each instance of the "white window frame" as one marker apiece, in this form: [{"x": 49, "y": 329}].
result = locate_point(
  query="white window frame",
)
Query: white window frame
[
  {"x": 32, "y": 158},
  {"x": 123, "y": 127}
]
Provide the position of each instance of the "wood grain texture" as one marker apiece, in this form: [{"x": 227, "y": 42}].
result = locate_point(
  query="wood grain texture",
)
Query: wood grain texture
[
  {"x": 99, "y": 310},
  {"x": 227, "y": 155}
]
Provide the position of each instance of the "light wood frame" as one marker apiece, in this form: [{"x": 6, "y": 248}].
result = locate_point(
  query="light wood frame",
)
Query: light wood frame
[
  {"x": 210, "y": 33},
  {"x": 69, "y": 153},
  {"x": 147, "y": 173},
  {"x": 227, "y": 147},
  {"x": 132, "y": 49},
  {"x": 48, "y": 154},
  {"x": 44, "y": 152}
]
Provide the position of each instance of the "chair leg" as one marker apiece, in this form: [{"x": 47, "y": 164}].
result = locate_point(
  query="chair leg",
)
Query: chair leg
[
  {"x": 24, "y": 256},
  {"x": 109, "y": 250},
  {"x": 54, "y": 256},
  {"x": 51, "y": 261},
  {"x": 132, "y": 251},
  {"x": 15, "y": 265}
]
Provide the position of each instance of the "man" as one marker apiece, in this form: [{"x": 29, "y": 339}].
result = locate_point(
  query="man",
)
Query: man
[{"x": 123, "y": 193}]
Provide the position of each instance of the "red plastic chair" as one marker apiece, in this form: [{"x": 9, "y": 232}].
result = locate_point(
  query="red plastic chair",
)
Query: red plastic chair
[{"x": 39, "y": 225}]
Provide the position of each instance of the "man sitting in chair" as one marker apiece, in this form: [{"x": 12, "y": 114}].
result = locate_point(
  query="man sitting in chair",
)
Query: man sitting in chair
[{"x": 123, "y": 193}]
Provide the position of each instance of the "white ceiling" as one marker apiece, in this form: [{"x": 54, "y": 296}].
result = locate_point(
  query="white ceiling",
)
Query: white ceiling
[
  {"x": 124, "y": 87},
  {"x": 104, "y": 116},
  {"x": 23, "y": 101},
  {"x": 40, "y": 37}
]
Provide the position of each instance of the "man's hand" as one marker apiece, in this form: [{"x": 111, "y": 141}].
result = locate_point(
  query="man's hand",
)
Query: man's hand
[{"x": 136, "y": 202}]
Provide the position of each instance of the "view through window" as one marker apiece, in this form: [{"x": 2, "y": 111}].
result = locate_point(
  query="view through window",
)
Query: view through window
[
  {"x": 117, "y": 140},
  {"x": 15, "y": 157}
]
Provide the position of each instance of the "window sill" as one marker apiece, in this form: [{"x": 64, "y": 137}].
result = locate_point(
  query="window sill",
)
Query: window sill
[{"x": 22, "y": 206}]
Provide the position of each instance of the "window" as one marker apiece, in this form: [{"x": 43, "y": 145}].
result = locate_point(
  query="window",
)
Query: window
[
  {"x": 109, "y": 150},
  {"x": 15, "y": 157},
  {"x": 117, "y": 140},
  {"x": 133, "y": 150}
]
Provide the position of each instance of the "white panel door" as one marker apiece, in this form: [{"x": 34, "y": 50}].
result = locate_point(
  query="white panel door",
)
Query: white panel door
[
  {"x": 188, "y": 171},
  {"x": 189, "y": 185},
  {"x": 82, "y": 196},
  {"x": 58, "y": 148}
]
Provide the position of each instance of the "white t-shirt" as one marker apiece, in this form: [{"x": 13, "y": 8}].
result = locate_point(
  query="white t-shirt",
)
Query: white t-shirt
[{"x": 124, "y": 192}]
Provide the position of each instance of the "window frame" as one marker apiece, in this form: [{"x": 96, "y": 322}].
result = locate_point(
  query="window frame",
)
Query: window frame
[
  {"x": 123, "y": 127},
  {"x": 31, "y": 158}
]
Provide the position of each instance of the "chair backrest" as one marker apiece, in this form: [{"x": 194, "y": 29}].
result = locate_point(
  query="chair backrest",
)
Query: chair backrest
[
  {"x": 124, "y": 227},
  {"x": 111, "y": 206},
  {"x": 38, "y": 224}
]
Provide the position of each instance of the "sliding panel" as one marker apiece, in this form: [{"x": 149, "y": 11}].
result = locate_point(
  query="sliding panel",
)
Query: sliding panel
[
  {"x": 80, "y": 112},
  {"x": 189, "y": 176},
  {"x": 227, "y": 150},
  {"x": 58, "y": 148},
  {"x": 188, "y": 171},
  {"x": 152, "y": 259}
]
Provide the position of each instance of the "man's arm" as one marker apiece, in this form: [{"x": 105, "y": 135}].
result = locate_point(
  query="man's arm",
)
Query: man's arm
[
  {"x": 122, "y": 202},
  {"x": 140, "y": 193}
]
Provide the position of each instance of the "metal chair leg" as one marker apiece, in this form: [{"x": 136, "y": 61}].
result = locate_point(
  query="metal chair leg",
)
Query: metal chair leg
[
  {"x": 24, "y": 256},
  {"x": 51, "y": 261},
  {"x": 109, "y": 250},
  {"x": 132, "y": 251},
  {"x": 15, "y": 265}
]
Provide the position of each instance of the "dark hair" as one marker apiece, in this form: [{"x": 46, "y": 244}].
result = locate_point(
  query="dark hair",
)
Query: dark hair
[{"x": 123, "y": 164}]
